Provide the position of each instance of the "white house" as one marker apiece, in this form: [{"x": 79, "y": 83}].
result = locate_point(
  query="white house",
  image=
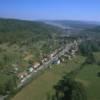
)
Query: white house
[
  {"x": 58, "y": 62},
  {"x": 30, "y": 69}
]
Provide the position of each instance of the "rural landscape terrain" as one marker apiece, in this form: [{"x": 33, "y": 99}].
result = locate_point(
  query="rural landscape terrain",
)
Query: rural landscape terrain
[{"x": 49, "y": 60}]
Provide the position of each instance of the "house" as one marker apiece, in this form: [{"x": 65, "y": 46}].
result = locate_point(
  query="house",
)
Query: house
[
  {"x": 53, "y": 54},
  {"x": 73, "y": 52},
  {"x": 36, "y": 65},
  {"x": 23, "y": 80},
  {"x": 58, "y": 61},
  {"x": 21, "y": 75},
  {"x": 75, "y": 42},
  {"x": 44, "y": 60},
  {"x": 30, "y": 69},
  {"x": 62, "y": 59}
]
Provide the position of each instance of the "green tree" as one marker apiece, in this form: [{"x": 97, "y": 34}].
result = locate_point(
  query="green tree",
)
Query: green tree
[
  {"x": 7, "y": 83},
  {"x": 90, "y": 59},
  {"x": 69, "y": 89}
]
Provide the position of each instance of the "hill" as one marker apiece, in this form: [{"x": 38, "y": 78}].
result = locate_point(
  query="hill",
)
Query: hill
[
  {"x": 22, "y": 44},
  {"x": 72, "y": 27},
  {"x": 27, "y": 37},
  {"x": 12, "y": 30},
  {"x": 91, "y": 33},
  {"x": 72, "y": 24}
]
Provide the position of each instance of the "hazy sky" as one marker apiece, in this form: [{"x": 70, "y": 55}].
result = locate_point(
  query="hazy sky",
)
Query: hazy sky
[{"x": 51, "y": 9}]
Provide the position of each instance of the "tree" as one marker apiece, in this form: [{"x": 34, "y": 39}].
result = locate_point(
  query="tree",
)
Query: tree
[
  {"x": 85, "y": 48},
  {"x": 90, "y": 59},
  {"x": 88, "y": 47},
  {"x": 7, "y": 83},
  {"x": 69, "y": 89}
]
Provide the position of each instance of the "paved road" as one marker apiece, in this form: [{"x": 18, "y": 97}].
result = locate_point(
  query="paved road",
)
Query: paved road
[{"x": 46, "y": 64}]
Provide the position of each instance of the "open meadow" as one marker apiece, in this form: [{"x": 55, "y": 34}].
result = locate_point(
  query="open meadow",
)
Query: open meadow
[{"x": 90, "y": 79}]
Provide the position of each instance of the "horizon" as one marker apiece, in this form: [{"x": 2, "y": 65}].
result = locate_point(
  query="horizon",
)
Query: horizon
[
  {"x": 86, "y": 10},
  {"x": 41, "y": 20}
]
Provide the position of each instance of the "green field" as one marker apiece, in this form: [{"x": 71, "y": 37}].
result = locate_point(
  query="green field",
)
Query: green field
[
  {"x": 43, "y": 85},
  {"x": 40, "y": 87},
  {"x": 88, "y": 76}
]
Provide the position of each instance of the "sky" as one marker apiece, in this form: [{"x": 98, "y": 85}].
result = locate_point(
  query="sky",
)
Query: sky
[{"x": 88, "y": 10}]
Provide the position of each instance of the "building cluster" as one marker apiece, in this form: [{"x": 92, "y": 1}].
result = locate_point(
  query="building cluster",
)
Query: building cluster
[{"x": 22, "y": 76}]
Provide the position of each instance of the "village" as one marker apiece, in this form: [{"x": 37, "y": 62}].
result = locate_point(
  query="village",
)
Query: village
[{"x": 57, "y": 57}]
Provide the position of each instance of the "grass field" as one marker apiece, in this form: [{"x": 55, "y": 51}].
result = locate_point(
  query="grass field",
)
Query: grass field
[
  {"x": 88, "y": 76},
  {"x": 40, "y": 87}
]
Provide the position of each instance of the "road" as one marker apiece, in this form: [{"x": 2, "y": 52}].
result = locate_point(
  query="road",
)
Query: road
[{"x": 45, "y": 65}]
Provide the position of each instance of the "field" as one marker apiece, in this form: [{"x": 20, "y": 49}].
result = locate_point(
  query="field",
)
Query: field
[
  {"x": 88, "y": 76},
  {"x": 43, "y": 85}
]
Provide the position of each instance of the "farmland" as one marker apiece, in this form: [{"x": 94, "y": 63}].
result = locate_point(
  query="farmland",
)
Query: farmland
[
  {"x": 88, "y": 76},
  {"x": 90, "y": 79},
  {"x": 43, "y": 85}
]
